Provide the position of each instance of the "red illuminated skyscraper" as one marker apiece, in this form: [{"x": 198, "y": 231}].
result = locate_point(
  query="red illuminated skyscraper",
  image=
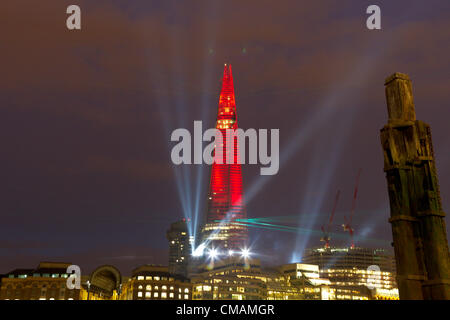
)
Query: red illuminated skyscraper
[{"x": 225, "y": 202}]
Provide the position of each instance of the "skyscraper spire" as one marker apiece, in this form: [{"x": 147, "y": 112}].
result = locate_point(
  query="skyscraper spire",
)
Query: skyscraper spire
[
  {"x": 227, "y": 82},
  {"x": 225, "y": 202}
]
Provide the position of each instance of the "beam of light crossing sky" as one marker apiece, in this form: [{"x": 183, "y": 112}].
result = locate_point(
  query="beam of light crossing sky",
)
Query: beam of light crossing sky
[{"x": 299, "y": 230}]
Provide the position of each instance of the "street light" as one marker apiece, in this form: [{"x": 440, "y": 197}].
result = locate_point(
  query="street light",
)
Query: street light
[{"x": 88, "y": 283}]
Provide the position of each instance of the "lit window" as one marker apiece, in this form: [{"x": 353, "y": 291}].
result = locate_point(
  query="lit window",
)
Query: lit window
[
  {"x": 171, "y": 287},
  {"x": 157, "y": 278},
  {"x": 155, "y": 294},
  {"x": 140, "y": 278},
  {"x": 164, "y": 295},
  {"x": 140, "y": 294},
  {"x": 148, "y": 278},
  {"x": 186, "y": 296},
  {"x": 187, "y": 290},
  {"x": 140, "y": 287},
  {"x": 148, "y": 287},
  {"x": 171, "y": 295},
  {"x": 156, "y": 287},
  {"x": 164, "y": 287},
  {"x": 148, "y": 294}
]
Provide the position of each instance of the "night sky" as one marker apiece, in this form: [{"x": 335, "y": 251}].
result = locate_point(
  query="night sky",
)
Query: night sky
[{"x": 86, "y": 117}]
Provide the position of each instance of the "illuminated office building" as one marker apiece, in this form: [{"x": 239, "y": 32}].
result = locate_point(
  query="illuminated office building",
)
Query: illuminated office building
[
  {"x": 231, "y": 278},
  {"x": 150, "y": 282},
  {"x": 235, "y": 278},
  {"x": 307, "y": 278},
  {"x": 225, "y": 201},
  {"x": 354, "y": 273},
  {"x": 179, "y": 248}
]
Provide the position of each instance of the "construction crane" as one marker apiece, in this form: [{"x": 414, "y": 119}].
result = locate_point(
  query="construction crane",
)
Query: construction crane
[
  {"x": 326, "y": 237},
  {"x": 348, "y": 223}
]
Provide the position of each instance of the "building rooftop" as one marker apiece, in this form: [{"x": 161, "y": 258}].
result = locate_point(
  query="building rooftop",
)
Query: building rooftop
[{"x": 42, "y": 268}]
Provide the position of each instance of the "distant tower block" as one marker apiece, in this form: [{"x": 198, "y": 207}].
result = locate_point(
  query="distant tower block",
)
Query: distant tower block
[
  {"x": 417, "y": 218},
  {"x": 179, "y": 247}
]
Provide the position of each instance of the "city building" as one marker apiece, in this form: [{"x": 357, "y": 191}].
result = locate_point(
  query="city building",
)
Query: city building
[
  {"x": 104, "y": 283},
  {"x": 234, "y": 277},
  {"x": 179, "y": 248},
  {"x": 46, "y": 282},
  {"x": 152, "y": 282},
  {"x": 225, "y": 196},
  {"x": 49, "y": 282},
  {"x": 348, "y": 258},
  {"x": 355, "y": 273},
  {"x": 231, "y": 278},
  {"x": 307, "y": 278},
  {"x": 237, "y": 278}
]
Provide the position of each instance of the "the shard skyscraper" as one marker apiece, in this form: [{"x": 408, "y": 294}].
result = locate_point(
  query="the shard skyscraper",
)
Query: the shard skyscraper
[{"x": 225, "y": 196}]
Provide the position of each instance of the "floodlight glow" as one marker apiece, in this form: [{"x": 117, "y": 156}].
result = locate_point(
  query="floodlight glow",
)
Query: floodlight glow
[
  {"x": 198, "y": 252},
  {"x": 213, "y": 253},
  {"x": 230, "y": 252},
  {"x": 245, "y": 253}
]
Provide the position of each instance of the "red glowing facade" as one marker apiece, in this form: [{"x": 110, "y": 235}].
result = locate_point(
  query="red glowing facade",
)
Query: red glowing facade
[{"x": 225, "y": 200}]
